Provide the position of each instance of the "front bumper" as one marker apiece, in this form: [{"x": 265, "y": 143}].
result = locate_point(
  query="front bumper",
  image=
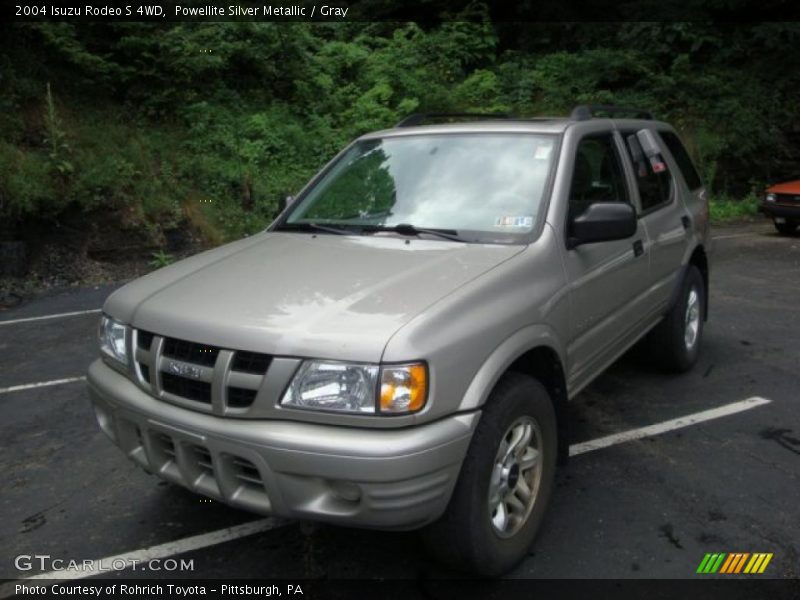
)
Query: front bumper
[
  {"x": 780, "y": 210},
  {"x": 385, "y": 479}
]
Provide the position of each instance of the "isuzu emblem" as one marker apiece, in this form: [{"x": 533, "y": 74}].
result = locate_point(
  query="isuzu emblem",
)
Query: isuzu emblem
[{"x": 184, "y": 370}]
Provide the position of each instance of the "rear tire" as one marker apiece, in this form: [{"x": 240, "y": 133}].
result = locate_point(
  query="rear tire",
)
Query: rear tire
[
  {"x": 787, "y": 227},
  {"x": 674, "y": 344},
  {"x": 505, "y": 482}
]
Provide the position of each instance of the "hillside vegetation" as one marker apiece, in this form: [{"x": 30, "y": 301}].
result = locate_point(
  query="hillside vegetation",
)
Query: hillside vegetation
[{"x": 150, "y": 127}]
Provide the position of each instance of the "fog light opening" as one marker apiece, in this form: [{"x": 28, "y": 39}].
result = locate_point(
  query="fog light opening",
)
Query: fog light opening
[{"x": 345, "y": 490}]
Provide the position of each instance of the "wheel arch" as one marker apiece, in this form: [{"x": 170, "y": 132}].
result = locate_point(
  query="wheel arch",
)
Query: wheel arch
[
  {"x": 543, "y": 364},
  {"x": 700, "y": 260},
  {"x": 533, "y": 351}
]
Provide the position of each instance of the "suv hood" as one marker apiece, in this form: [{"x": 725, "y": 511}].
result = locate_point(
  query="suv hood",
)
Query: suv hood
[{"x": 294, "y": 294}]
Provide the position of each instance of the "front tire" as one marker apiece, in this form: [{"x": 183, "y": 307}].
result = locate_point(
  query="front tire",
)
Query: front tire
[
  {"x": 504, "y": 485},
  {"x": 787, "y": 227},
  {"x": 675, "y": 342}
]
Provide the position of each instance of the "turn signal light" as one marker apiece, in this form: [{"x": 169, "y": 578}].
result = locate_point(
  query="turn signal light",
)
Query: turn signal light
[{"x": 404, "y": 388}]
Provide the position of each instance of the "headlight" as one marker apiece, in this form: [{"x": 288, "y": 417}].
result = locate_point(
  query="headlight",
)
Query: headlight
[
  {"x": 353, "y": 388},
  {"x": 770, "y": 197},
  {"x": 112, "y": 336},
  {"x": 333, "y": 386}
]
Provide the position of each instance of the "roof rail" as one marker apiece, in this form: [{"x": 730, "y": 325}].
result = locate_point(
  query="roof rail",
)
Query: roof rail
[
  {"x": 585, "y": 112},
  {"x": 419, "y": 118}
]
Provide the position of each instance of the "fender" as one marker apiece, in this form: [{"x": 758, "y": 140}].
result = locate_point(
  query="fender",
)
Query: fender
[
  {"x": 676, "y": 289},
  {"x": 503, "y": 357}
]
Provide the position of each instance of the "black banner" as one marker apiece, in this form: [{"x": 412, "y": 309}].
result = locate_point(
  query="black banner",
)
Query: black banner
[
  {"x": 749, "y": 588},
  {"x": 387, "y": 10}
]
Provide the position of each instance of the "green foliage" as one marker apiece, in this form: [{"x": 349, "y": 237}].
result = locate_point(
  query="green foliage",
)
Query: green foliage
[
  {"x": 55, "y": 138},
  {"x": 725, "y": 208},
  {"x": 23, "y": 188},
  {"x": 480, "y": 92},
  {"x": 216, "y": 123},
  {"x": 161, "y": 259}
]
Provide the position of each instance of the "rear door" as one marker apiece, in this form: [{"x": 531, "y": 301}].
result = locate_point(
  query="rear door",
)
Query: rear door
[
  {"x": 607, "y": 280},
  {"x": 694, "y": 190},
  {"x": 664, "y": 216}
]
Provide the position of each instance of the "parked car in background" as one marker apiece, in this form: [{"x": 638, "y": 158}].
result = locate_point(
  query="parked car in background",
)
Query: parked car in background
[
  {"x": 397, "y": 350},
  {"x": 782, "y": 203}
]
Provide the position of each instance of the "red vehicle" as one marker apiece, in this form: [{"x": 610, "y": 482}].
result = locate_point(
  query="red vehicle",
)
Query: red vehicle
[{"x": 782, "y": 203}]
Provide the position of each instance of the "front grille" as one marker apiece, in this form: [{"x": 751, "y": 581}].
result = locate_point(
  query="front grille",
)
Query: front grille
[
  {"x": 247, "y": 472},
  {"x": 251, "y": 362},
  {"x": 199, "y": 391},
  {"x": 204, "y": 462},
  {"x": 241, "y": 397},
  {"x": 191, "y": 352},
  {"x": 145, "y": 372},
  {"x": 144, "y": 339},
  {"x": 199, "y": 365},
  {"x": 205, "y": 468},
  {"x": 167, "y": 445},
  {"x": 787, "y": 198}
]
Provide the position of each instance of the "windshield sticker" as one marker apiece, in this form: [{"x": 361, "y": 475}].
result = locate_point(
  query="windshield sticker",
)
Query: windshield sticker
[{"x": 513, "y": 222}]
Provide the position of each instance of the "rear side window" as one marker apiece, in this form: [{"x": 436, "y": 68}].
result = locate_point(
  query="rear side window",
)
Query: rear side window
[
  {"x": 654, "y": 188},
  {"x": 683, "y": 159}
]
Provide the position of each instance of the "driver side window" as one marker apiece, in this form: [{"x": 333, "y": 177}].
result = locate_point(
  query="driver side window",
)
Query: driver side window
[{"x": 597, "y": 175}]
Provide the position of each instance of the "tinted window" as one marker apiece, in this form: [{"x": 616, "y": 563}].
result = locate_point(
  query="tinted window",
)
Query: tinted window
[
  {"x": 654, "y": 188},
  {"x": 683, "y": 159},
  {"x": 597, "y": 174}
]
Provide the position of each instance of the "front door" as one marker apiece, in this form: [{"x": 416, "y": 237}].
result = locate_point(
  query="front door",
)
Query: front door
[{"x": 607, "y": 280}]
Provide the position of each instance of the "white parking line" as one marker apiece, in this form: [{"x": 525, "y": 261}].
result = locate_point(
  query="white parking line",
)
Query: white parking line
[
  {"x": 733, "y": 235},
  {"x": 665, "y": 426},
  {"x": 56, "y": 316},
  {"x": 30, "y": 386},
  {"x": 221, "y": 536}
]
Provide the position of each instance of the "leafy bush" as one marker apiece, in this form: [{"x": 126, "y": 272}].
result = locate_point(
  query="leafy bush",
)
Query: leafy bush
[
  {"x": 25, "y": 187},
  {"x": 161, "y": 259},
  {"x": 725, "y": 208},
  {"x": 215, "y": 123}
]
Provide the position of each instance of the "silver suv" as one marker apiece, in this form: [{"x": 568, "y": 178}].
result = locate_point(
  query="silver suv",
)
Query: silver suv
[{"x": 397, "y": 350}]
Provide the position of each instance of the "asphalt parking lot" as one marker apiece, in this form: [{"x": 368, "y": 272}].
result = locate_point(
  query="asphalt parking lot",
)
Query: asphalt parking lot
[{"x": 646, "y": 508}]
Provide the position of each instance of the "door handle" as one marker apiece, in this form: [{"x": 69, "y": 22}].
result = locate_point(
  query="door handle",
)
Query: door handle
[
  {"x": 638, "y": 248},
  {"x": 686, "y": 222}
]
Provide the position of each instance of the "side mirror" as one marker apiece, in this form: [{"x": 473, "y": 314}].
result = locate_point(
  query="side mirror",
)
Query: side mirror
[
  {"x": 286, "y": 202},
  {"x": 602, "y": 222}
]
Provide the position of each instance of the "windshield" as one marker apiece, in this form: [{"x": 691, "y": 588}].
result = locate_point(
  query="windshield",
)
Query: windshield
[{"x": 484, "y": 187}]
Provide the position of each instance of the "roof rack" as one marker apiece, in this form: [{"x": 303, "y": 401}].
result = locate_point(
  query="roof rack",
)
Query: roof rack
[
  {"x": 419, "y": 118},
  {"x": 585, "y": 112}
]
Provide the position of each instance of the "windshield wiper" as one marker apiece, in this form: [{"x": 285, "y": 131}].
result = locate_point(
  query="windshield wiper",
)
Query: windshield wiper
[
  {"x": 409, "y": 229},
  {"x": 315, "y": 227},
  {"x": 401, "y": 228}
]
